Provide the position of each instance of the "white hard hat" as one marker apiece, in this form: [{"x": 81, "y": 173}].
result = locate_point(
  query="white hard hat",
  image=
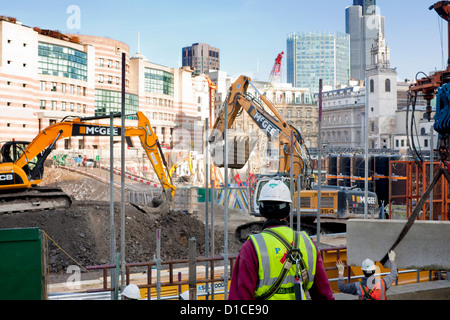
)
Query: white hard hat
[
  {"x": 368, "y": 265},
  {"x": 132, "y": 291},
  {"x": 275, "y": 190}
]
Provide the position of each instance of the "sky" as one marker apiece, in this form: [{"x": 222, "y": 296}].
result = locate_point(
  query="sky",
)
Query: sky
[{"x": 248, "y": 33}]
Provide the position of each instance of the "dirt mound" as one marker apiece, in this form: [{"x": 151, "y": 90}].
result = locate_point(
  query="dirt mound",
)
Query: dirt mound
[{"x": 81, "y": 234}]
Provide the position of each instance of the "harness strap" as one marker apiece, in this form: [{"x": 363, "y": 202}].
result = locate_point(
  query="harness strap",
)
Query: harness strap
[{"x": 274, "y": 288}]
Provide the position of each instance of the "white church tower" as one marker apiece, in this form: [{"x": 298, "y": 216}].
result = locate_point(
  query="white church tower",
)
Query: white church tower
[{"x": 382, "y": 88}]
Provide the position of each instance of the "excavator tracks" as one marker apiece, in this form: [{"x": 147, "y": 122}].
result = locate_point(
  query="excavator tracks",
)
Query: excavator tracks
[{"x": 33, "y": 199}]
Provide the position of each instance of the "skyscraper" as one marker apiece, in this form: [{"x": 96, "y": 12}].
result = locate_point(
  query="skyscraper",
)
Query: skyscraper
[
  {"x": 313, "y": 56},
  {"x": 364, "y": 24},
  {"x": 368, "y": 6},
  {"x": 201, "y": 57}
]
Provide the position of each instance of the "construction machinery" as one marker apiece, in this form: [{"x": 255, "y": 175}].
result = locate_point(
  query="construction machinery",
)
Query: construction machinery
[
  {"x": 337, "y": 204},
  {"x": 187, "y": 158},
  {"x": 22, "y": 163}
]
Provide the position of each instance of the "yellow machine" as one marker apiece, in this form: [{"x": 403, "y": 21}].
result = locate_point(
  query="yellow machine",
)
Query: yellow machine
[
  {"x": 187, "y": 158},
  {"x": 22, "y": 165},
  {"x": 337, "y": 203}
]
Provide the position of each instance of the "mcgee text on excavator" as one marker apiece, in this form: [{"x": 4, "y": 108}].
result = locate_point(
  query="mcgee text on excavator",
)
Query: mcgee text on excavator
[
  {"x": 337, "y": 203},
  {"x": 22, "y": 165}
]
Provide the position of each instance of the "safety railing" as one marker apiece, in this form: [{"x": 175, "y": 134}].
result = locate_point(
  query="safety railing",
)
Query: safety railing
[{"x": 174, "y": 279}]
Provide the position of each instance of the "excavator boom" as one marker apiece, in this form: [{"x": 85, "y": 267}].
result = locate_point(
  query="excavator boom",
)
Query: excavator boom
[{"x": 22, "y": 171}]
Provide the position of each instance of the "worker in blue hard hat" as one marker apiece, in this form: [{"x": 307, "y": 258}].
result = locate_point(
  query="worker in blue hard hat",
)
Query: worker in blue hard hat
[{"x": 372, "y": 286}]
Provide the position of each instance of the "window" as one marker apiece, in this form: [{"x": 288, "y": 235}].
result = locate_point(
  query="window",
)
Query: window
[
  {"x": 425, "y": 143},
  {"x": 72, "y": 88},
  {"x": 53, "y": 105},
  {"x": 42, "y": 106},
  {"x": 158, "y": 81},
  {"x": 387, "y": 85},
  {"x": 110, "y": 63},
  {"x": 100, "y": 78},
  {"x": 100, "y": 62},
  {"x": 372, "y": 85},
  {"x": 63, "y": 106},
  {"x": 53, "y": 86},
  {"x": 107, "y": 101},
  {"x": 61, "y": 61},
  {"x": 63, "y": 87},
  {"x": 42, "y": 85}
]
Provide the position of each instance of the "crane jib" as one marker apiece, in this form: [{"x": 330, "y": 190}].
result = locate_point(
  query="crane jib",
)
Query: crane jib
[
  {"x": 93, "y": 130},
  {"x": 270, "y": 129}
]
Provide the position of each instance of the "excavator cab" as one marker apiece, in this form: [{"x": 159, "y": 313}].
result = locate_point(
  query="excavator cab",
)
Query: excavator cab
[{"x": 12, "y": 150}]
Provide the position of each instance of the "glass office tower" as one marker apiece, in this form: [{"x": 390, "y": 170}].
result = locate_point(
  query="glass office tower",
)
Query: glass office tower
[{"x": 313, "y": 56}]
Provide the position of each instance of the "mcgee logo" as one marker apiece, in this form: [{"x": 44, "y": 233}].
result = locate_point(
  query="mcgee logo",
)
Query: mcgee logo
[{"x": 86, "y": 130}]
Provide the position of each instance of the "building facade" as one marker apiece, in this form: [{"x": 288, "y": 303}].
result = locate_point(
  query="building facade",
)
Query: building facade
[
  {"x": 201, "y": 57},
  {"x": 313, "y": 56},
  {"x": 363, "y": 24},
  {"x": 46, "y": 76},
  {"x": 343, "y": 113}
]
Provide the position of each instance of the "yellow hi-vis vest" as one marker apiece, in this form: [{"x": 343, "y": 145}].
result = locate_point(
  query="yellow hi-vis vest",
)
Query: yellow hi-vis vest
[{"x": 271, "y": 256}]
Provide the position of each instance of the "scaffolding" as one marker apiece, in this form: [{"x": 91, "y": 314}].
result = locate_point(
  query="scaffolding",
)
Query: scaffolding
[{"x": 408, "y": 181}]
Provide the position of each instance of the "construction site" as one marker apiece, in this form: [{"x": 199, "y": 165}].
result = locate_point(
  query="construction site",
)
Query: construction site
[{"x": 172, "y": 221}]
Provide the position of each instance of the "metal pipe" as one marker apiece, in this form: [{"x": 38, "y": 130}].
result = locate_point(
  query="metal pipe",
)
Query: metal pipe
[
  {"x": 122, "y": 175},
  {"x": 319, "y": 186},
  {"x": 431, "y": 169},
  {"x": 158, "y": 264},
  {"x": 206, "y": 158},
  {"x": 366, "y": 150},
  {"x": 192, "y": 270},
  {"x": 225, "y": 161},
  {"x": 112, "y": 251},
  {"x": 291, "y": 180}
]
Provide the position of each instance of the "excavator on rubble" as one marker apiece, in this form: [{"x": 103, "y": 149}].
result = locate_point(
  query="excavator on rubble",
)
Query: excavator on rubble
[
  {"x": 337, "y": 203},
  {"x": 187, "y": 158},
  {"x": 22, "y": 162}
]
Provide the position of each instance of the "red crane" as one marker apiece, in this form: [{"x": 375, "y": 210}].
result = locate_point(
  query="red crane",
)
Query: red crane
[{"x": 275, "y": 75}]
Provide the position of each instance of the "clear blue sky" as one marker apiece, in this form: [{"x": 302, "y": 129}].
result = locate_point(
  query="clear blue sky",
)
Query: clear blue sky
[{"x": 249, "y": 33}]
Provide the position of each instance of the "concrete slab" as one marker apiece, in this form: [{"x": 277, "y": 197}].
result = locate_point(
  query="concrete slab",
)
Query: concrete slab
[{"x": 425, "y": 246}]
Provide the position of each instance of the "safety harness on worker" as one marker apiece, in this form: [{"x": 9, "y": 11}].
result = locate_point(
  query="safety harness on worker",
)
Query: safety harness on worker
[
  {"x": 289, "y": 277},
  {"x": 377, "y": 292}
]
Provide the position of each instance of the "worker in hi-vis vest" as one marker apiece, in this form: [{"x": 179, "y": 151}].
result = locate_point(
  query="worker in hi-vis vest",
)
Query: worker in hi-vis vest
[
  {"x": 278, "y": 263},
  {"x": 372, "y": 286}
]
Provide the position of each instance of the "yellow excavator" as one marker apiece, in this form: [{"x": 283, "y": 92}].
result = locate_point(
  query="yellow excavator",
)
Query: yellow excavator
[
  {"x": 337, "y": 203},
  {"x": 22, "y": 163},
  {"x": 187, "y": 158}
]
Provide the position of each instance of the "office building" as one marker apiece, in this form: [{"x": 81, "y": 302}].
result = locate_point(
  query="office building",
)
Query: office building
[
  {"x": 46, "y": 76},
  {"x": 201, "y": 57},
  {"x": 313, "y": 56},
  {"x": 363, "y": 24},
  {"x": 368, "y": 6}
]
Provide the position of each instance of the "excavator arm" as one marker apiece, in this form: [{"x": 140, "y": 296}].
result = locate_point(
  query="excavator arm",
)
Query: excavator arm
[
  {"x": 43, "y": 143},
  {"x": 275, "y": 127}
]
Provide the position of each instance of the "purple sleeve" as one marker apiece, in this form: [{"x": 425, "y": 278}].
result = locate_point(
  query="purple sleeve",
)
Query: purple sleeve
[
  {"x": 321, "y": 289},
  {"x": 245, "y": 274}
]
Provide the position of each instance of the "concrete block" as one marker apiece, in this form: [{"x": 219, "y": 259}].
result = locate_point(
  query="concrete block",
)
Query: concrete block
[{"x": 425, "y": 246}]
